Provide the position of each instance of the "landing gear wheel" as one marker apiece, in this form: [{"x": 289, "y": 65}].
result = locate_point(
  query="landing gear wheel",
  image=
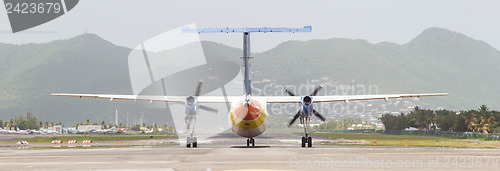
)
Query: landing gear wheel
[
  {"x": 303, "y": 141},
  {"x": 309, "y": 142},
  {"x": 188, "y": 142},
  {"x": 250, "y": 141},
  {"x": 195, "y": 143}
]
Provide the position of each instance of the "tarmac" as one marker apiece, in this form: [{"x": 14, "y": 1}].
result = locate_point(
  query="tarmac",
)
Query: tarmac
[{"x": 225, "y": 152}]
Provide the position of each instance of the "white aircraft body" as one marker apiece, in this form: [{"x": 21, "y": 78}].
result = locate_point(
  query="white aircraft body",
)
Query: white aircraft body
[
  {"x": 248, "y": 115},
  {"x": 149, "y": 132}
]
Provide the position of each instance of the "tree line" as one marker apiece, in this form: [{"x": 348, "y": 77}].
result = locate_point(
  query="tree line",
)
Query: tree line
[
  {"x": 480, "y": 120},
  {"x": 28, "y": 122}
]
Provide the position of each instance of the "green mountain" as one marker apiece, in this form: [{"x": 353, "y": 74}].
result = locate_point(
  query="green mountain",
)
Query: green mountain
[
  {"x": 85, "y": 63},
  {"x": 437, "y": 60}
]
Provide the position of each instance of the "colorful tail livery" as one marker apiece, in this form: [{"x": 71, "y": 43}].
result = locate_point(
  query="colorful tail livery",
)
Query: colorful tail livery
[{"x": 26, "y": 14}]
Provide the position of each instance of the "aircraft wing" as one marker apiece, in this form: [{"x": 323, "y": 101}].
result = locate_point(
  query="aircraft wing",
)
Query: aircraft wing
[
  {"x": 112, "y": 97},
  {"x": 178, "y": 99},
  {"x": 268, "y": 99},
  {"x": 346, "y": 98}
]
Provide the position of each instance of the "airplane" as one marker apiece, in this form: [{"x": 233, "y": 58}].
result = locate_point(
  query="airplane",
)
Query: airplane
[
  {"x": 149, "y": 132},
  {"x": 111, "y": 130},
  {"x": 248, "y": 114},
  {"x": 3, "y": 131},
  {"x": 35, "y": 132},
  {"x": 46, "y": 131},
  {"x": 7, "y": 131},
  {"x": 21, "y": 131}
]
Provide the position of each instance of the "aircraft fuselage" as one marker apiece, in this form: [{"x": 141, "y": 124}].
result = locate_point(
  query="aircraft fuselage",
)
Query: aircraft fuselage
[{"x": 248, "y": 121}]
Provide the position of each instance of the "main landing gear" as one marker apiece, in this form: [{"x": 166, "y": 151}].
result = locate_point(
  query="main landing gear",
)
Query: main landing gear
[
  {"x": 191, "y": 141},
  {"x": 250, "y": 141},
  {"x": 307, "y": 140}
]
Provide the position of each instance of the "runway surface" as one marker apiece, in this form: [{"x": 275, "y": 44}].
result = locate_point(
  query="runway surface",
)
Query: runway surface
[{"x": 270, "y": 154}]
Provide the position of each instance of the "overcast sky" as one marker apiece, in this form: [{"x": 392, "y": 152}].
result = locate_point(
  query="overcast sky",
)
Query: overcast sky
[{"x": 129, "y": 22}]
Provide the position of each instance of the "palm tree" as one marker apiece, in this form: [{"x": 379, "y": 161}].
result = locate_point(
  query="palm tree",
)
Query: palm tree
[
  {"x": 343, "y": 125},
  {"x": 485, "y": 119},
  {"x": 470, "y": 119},
  {"x": 10, "y": 124}
]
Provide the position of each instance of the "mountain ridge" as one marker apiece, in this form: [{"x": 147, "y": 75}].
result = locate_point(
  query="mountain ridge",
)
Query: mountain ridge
[{"x": 90, "y": 64}]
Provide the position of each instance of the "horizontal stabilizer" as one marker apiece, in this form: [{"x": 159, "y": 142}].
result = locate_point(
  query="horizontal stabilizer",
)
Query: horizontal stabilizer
[{"x": 246, "y": 29}]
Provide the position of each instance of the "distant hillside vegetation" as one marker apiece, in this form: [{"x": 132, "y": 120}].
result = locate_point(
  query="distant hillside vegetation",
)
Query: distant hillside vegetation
[{"x": 437, "y": 60}]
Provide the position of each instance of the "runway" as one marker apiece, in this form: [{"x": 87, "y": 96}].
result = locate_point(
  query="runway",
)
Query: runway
[
  {"x": 271, "y": 154},
  {"x": 273, "y": 158}
]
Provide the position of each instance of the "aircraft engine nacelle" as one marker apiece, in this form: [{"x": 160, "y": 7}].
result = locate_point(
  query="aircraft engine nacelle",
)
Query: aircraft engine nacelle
[
  {"x": 307, "y": 105},
  {"x": 191, "y": 105}
]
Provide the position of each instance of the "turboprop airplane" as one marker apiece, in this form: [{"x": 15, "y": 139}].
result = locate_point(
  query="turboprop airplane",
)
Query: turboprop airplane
[{"x": 248, "y": 114}]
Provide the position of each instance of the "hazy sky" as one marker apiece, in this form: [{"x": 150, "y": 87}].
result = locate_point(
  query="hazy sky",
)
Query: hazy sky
[{"x": 129, "y": 22}]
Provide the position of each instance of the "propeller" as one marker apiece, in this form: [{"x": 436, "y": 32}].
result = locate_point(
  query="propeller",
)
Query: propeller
[
  {"x": 320, "y": 86},
  {"x": 288, "y": 91},
  {"x": 198, "y": 89},
  {"x": 309, "y": 101},
  {"x": 202, "y": 107},
  {"x": 294, "y": 118},
  {"x": 319, "y": 115}
]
